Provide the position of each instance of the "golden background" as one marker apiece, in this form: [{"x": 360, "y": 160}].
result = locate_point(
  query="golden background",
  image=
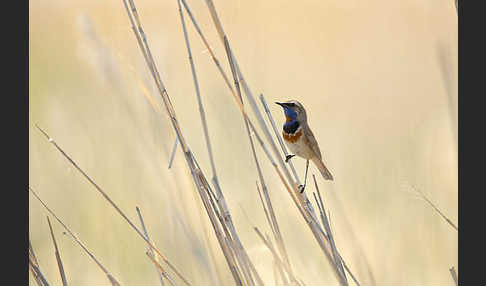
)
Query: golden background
[{"x": 378, "y": 79}]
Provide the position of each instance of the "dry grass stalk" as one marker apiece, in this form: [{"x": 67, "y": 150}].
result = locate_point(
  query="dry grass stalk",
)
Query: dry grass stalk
[
  {"x": 58, "y": 256},
  {"x": 242, "y": 256},
  {"x": 303, "y": 202},
  {"x": 235, "y": 96},
  {"x": 281, "y": 267},
  {"x": 221, "y": 230},
  {"x": 271, "y": 213},
  {"x": 265, "y": 209},
  {"x": 34, "y": 274},
  {"x": 230, "y": 238},
  {"x": 216, "y": 61},
  {"x": 160, "y": 269},
  {"x": 436, "y": 209},
  {"x": 233, "y": 244},
  {"x": 348, "y": 270},
  {"x": 300, "y": 199},
  {"x": 172, "y": 155},
  {"x": 277, "y": 258},
  {"x": 279, "y": 138},
  {"x": 274, "y": 224},
  {"x": 277, "y": 235},
  {"x": 224, "y": 240},
  {"x": 159, "y": 272},
  {"x": 202, "y": 113},
  {"x": 143, "y": 87},
  {"x": 281, "y": 274},
  {"x": 453, "y": 274},
  {"x": 325, "y": 223},
  {"x": 32, "y": 271},
  {"x": 112, "y": 203},
  {"x": 37, "y": 272},
  {"x": 112, "y": 279},
  {"x": 284, "y": 149},
  {"x": 247, "y": 128},
  {"x": 311, "y": 214},
  {"x": 339, "y": 206},
  {"x": 235, "y": 69},
  {"x": 143, "y": 44},
  {"x": 218, "y": 268},
  {"x": 34, "y": 267},
  {"x": 225, "y": 77}
]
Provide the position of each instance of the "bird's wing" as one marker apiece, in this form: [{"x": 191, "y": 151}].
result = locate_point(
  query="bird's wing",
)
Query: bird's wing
[{"x": 311, "y": 140}]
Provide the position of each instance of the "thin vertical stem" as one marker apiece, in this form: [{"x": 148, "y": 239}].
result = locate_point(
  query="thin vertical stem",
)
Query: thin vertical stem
[
  {"x": 453, "y": 274},
  {"x": 172, "y": 155},
  {"x": 277, "y": 135},
  {"x": 159, "y": 268},
  {"x": 112, "y": 203},
  {"x": 35, "y": 268},
  {"x": 325, "y": 222},
  {"x": 112, "y": 279},
  {"x": 436, "y": 209},
  {"x": 159, "y": 271},
  {"x": 38, "y": 272},
  {"x": 198, "y": 94},
  {"x": 265, "y": 210},
  {"x": 303, "y": 200},
  {"x": 275, "y": 255},
  {"x": 58, "y": 256}
]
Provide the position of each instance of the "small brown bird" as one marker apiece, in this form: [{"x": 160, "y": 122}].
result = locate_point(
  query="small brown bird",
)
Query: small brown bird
[{"x": 300, "y": 139}]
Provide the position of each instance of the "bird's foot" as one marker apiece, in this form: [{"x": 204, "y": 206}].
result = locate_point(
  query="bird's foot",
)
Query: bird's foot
[
  {"x": 288, "y": 157},
  {"x": 301, "y": 188}
]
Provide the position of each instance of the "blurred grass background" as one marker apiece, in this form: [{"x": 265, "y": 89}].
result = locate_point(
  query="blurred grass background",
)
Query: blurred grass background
[{"x": 378, "y": 80}]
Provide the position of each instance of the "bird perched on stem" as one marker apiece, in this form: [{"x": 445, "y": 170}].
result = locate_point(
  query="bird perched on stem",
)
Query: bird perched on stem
[{"x": 300, "y": 139}]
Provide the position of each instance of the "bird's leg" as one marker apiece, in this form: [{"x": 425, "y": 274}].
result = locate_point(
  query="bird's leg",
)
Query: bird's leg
[
  {"x": 302, "y": 187},
  {"x": 288, "y": 157}
]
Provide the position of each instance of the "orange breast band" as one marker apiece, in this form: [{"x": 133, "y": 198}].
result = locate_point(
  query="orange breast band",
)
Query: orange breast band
[{"x": 292, "y": 138}]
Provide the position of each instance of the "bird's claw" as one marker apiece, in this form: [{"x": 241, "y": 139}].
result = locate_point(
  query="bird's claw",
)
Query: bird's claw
[
  {"x": 288, "y": 157},
  {"x": 301, "y": 188}
]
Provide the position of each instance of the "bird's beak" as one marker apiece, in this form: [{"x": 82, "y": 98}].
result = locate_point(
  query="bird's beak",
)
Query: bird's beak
[{"x": 281, "y": 104}]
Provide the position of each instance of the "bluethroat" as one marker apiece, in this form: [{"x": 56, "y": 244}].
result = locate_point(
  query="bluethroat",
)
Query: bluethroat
[{"x": 300, "y": 139}]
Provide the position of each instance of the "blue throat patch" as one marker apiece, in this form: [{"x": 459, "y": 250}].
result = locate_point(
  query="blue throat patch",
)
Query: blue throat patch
[
  {"x": 290, "y": 126},
  {"x": 289, "y": 112}
]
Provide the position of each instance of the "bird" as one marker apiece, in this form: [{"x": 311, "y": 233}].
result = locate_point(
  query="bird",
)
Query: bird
[{"x": 300, "y": 139}]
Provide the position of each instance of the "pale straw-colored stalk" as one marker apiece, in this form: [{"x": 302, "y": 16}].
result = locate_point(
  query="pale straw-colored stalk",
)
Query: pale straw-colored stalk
[
  {"x": 242, "y": 256},
  {"x": 303, "y": 201},
  {"x": 110, "y": 277},
  {"x": 112, "y": 203},
  {"x": 160, "y": 272},
  {"x": 58, "y": 255}
]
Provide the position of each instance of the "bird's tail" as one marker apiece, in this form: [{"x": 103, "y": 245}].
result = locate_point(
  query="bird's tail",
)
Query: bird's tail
[{"x": 322, "y": 168}]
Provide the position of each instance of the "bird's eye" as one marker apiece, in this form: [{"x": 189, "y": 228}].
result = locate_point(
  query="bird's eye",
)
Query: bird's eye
[{"x": 292, "y": 104}]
